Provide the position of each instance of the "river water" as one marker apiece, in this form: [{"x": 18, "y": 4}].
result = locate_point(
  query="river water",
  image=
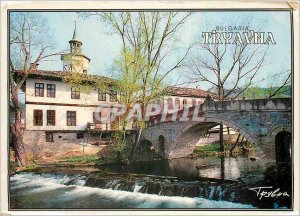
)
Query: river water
[{"x": 182, "y": 183}]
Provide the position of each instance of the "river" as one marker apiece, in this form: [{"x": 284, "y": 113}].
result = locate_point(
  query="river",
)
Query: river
[{"x": 204, "y": 183}]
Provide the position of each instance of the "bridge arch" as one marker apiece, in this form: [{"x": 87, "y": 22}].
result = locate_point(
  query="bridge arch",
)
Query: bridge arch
[
  {"x": 282, "y": 137},
  {"x": 161, "y": 145},
  {"x": 278, "y": 128},
  {"x": 145, "y": 145},
  {"x": 283, "y": 147},
  {"x": 187, "y": 138}
]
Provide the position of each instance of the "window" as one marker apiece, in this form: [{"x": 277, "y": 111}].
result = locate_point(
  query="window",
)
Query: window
[
  {"x": 113, "y": 96},
  {"x": 75, "y": 93},
  {"x": 49, "y": 137},
  {"x": 194, "y": 102},
  {"x": 51, "y": 117},
  {"x": 170, "y": 103},
  {"x": 184, "y": 102},
  {"x": 79, "y": 135},
  {"x": 71, "y": 118},
  {"x": 51, "y": 90},
  {"x": 101, "y": 96},
  {"x": 37, "y": 117},
  {"x": 39, "y": 89},
  {"x": 177, "y": 103}
]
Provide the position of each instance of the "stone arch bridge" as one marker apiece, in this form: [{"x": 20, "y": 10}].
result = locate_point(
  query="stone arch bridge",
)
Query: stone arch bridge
[{"x": 258, "y": 120}]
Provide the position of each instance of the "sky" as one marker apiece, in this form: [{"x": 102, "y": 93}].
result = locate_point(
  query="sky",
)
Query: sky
[{"x": 102, "y": 47}]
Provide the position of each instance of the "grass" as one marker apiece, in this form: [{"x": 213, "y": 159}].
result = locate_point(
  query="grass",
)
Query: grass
[
  {"x": 110, "y": 158},
  {"x": 81, "y": 159},
  {"x": 211, "y": 148},
  {"x": 27, "y": 168},
  {"x": 31, "y": 167},
  {"x": 214, "y": 149}
]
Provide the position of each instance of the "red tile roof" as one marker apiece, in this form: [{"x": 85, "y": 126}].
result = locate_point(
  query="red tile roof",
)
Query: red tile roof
[
  {"x": 189, "y": 92},
  {"x": 58, "y": 75},
  {"x": 174, "y": 91}
]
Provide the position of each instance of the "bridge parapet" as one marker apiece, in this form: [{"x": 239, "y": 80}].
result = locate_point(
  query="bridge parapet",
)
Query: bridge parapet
[
  {"x": 210, "y": 105},
  {"x": 272, "y": 104}
]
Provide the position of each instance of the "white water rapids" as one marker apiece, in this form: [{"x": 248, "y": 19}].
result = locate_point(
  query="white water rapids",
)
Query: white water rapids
[{"x": 37, "y": 191}]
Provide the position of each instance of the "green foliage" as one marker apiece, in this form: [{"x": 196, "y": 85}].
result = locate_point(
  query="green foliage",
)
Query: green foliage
[
  {"x": 81, "y": 159},
  {"x": 30, "y": 167},
  {"x": 119, "y": 141},
  {"x": 260, "y": 93},
  {"x": 69, "y": 58},
  {"x": 86, "y": 83},
  {"x": 111, "y": 158},
  {"x": 211, "y": 148}
]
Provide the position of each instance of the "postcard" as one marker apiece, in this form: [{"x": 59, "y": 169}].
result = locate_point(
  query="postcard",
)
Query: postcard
[{"x": 161, "y": 108}]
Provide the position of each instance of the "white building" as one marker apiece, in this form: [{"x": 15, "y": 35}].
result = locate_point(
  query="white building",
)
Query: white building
[
  {"x": 178, "y": 97},
  {"x": 52, "y": 104}
]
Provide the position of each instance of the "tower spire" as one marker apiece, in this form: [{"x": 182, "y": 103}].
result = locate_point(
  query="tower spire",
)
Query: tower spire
[
  {"x": 75, "y": 43},
  {"x": 75, "y": 61},
  {"x": 75, "y": 33}
]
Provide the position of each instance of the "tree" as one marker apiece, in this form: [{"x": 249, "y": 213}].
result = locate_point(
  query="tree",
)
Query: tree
[
  {"x": 148, "y": 42},
  {"x": 283, "y": 86},
  {"x": 29, "y": 45},
  {"x": 227, "y": 67},
  {"x": 277, "y": 85}
]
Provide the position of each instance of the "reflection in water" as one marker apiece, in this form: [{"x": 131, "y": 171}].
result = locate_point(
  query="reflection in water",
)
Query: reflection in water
[
  {"x": 222, "y": 164},
  {"x": 227, "y": 168}
]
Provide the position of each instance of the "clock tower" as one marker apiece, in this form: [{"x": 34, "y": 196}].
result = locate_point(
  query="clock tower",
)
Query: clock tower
[{"x": 75, "y": 60}]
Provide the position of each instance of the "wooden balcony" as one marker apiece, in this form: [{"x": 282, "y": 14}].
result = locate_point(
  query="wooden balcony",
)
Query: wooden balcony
[
  {"x": 98, "y": 127},
  {"x": 92, "y": 126}
]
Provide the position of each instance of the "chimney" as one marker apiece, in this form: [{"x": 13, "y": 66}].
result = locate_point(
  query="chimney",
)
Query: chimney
[{"x": 34, "y": 66}]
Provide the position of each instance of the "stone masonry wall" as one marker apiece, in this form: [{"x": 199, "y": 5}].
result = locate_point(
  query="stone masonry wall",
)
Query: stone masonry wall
[{"x": 64, "y": 145}]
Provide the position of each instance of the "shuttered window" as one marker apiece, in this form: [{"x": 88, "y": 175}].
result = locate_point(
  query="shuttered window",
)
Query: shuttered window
[
  {"x": 75, "y": 93},
  {"x": 37, "y": 117},
  {"x": 39, "y": 89},
  {"x": 51, "y": 88},
  {"x": 71, "y": 118},
  {"x": 51, "y": 117}
]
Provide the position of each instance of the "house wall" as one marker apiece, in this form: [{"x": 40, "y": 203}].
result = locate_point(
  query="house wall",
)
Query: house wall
[
  {"x": 63, "y": 145},
  {"x": 84, "y": 107},
  {"x": 78, "y": 62},
  {"x": 63, "y": 94},
  {"x": 83, "y": 115}
]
